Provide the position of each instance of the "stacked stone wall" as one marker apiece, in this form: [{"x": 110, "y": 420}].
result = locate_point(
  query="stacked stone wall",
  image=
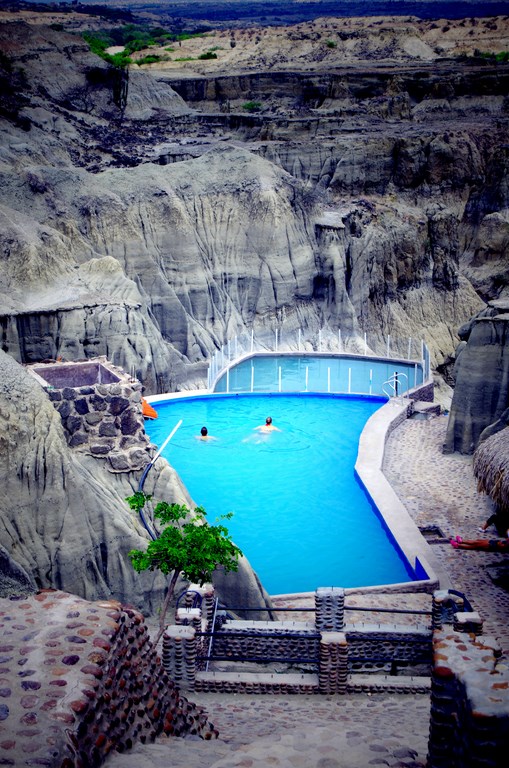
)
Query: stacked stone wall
[
  {"x": 425, "y": 394},
  {"x": 469, "y": 703},
  {"x": 380, "y": 651},
  {"x": 80, "y": 679},
  {"x": 255, "y": 642},
  {"x": 104, "y": 420}
]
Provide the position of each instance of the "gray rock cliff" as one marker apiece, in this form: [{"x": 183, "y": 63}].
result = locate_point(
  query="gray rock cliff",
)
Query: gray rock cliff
[
  {"x": 481, "y": 393},
  {"x": 154, "y": 236}
]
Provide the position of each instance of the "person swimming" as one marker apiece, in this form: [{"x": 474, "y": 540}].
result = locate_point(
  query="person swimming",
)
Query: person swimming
[
  {"x": 268, "y": 426},
  {"x": 204, "y": 435}
]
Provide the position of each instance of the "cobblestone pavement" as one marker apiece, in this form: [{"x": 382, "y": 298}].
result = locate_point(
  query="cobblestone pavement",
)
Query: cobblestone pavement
[
  {"x": 359, "y": 730},
  {"x": 441, "y": 490}
]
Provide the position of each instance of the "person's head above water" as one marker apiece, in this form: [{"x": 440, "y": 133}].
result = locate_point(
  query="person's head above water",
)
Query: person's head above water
[
  {"x": 204, "y": 431},
  {"x": 268, "y": 420}
]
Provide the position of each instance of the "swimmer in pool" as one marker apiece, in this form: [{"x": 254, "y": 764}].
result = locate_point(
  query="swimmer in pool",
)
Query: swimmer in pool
[
  {"x": 204, "y": 435},
  {"x": 268, "y": 426}
]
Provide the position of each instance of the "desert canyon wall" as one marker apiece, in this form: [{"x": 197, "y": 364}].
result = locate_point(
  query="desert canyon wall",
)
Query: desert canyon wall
[
  {"x": 154, "y": 236},
  {"x": 367, "y": 194}
]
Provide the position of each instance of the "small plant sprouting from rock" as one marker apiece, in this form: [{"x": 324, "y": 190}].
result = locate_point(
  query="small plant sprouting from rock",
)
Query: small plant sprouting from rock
[
  {"x": 193, "y": 548},
  {"x": 252, "y": 106}
]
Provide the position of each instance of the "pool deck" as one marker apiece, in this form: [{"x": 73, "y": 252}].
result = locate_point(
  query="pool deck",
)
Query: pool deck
[{"x": 359, "y": 730}]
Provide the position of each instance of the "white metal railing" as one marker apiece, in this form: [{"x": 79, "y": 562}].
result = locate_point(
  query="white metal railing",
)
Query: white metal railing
[
  {"x": 396, "y": 385},
  {"x": 324, "y": 341}
]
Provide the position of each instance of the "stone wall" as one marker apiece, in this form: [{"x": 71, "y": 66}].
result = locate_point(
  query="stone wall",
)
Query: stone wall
[
  {"x": 469, "y": 703},
  {"x": 425, "y": 393},
  {"x": 80, "y": 679},
  {"x": 258, "y": 640},
  {"x": 101, "y": 419},
  {"x": 328, "y": 650},
  {"x": 379, "y": 650}
]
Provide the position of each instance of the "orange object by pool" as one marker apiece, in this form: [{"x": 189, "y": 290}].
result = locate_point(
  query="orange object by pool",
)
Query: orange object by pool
[{"x": 147, "y": 410}]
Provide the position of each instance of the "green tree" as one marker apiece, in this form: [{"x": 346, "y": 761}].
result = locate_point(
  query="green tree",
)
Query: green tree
[{"x": 193, "y": 548}]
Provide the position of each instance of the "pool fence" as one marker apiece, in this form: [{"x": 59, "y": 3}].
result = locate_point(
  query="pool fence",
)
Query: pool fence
[{"x": 324, "y": 342}]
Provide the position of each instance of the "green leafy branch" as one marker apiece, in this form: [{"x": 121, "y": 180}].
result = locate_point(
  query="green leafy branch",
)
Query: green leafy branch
[{"x": 193, "y": 548}]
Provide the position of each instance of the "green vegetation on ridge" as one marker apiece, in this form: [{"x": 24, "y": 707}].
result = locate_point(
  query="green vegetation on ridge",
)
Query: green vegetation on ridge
[{"x": 133, "y": 38}]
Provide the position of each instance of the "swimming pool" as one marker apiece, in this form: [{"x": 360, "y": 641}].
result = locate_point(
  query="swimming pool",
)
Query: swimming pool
[
  {"x": 293, "y": 372},
  {"x": 300, "y": 515}
]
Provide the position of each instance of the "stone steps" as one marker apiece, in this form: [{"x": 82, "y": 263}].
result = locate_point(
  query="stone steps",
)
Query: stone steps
[
  {"x": 387, "y": 684},
  {"x": 256, "y": 682},
  {"x": 424, "y": 409},
  {"x": 285, "y": 683}
]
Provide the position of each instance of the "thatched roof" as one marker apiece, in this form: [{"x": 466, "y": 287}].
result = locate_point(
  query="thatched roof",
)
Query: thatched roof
[{"x": 491, "y": 467}]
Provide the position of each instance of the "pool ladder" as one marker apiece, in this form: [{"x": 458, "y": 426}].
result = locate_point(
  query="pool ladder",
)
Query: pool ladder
[{"x": 391, "y": 387}]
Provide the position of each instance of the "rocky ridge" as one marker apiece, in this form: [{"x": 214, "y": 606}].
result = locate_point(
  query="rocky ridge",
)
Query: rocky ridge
[
  {"x": 155, "y": 234},
  {"x": 328, "y": 43}
]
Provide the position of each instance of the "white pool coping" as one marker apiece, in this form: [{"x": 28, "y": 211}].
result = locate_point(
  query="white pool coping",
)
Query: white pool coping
[{"x": 369, "y": 468}]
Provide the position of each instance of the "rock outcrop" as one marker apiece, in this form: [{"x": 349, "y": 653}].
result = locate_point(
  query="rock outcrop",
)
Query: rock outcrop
[
  {"x": 481, "y": 393},
  {"x": 154, "y": 233}
]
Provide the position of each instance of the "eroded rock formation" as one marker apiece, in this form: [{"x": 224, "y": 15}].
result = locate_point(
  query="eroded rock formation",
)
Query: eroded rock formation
[
  {"x": 152, "y": 230},
  {"x": 155, "y": 234},
  {"x": 481, "y": 393}
]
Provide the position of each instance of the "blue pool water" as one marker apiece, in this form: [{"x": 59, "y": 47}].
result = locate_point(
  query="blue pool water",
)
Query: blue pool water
[
  {"x": 300, "y": 516},
  {"x": 319, "y": 373}
]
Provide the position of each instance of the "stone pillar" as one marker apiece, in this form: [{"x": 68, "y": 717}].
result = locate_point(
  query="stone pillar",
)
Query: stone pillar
[
  {"x": 179, "y": 654},
  {"x": 208, "y": 601},
  {"x": 333, "y": 667},
  {"x": 330, "y": 609},
  {"x": 445, "y": 605},
  {"x": 468, "y": 621},
  {"x": 469, "y": 719},
  {"x": 443, "y": 718},
  {"x": 208, "y": 606},
  {"x": 190, "y": 617}
]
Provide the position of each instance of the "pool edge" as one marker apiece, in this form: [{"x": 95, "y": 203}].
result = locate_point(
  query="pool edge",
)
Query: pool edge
[
  {"x": 393, "y": 512},
  {"x": 369, "y": 468}
]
